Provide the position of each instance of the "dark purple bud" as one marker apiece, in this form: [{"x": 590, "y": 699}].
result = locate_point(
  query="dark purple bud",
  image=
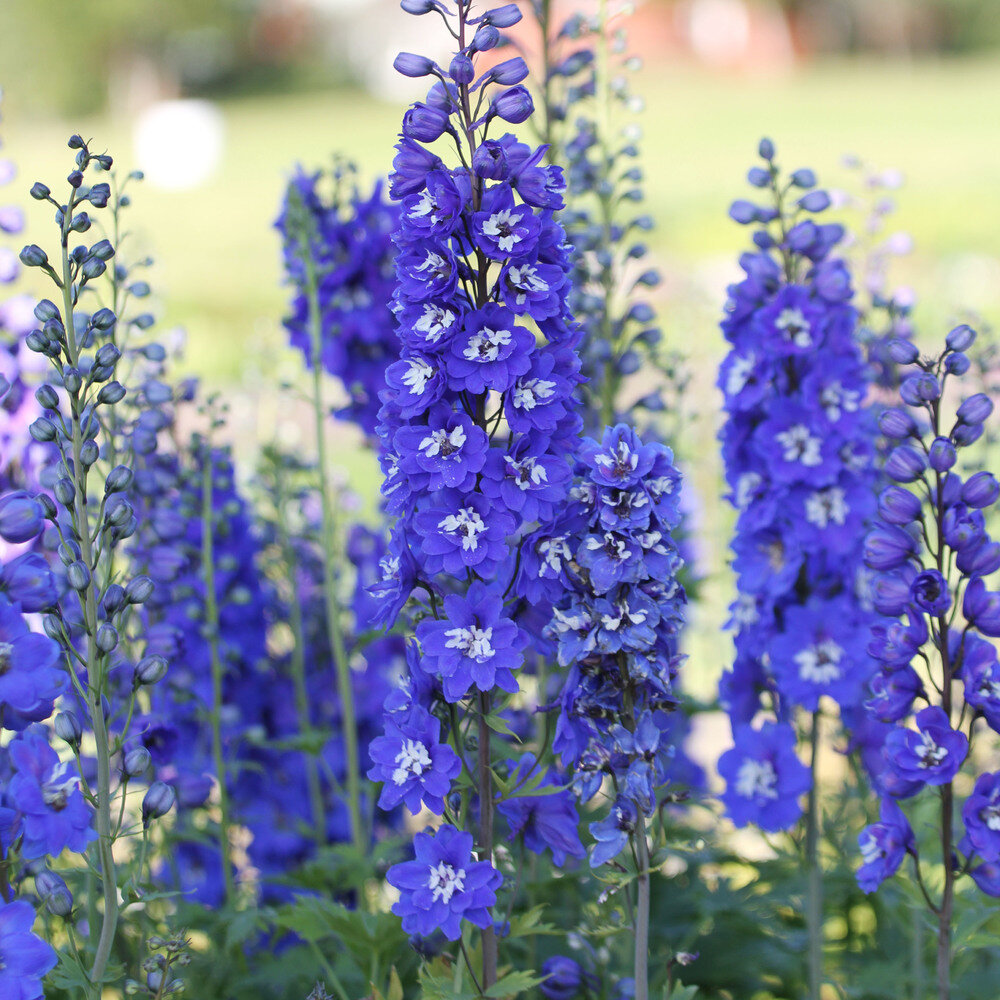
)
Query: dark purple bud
[
  {"x": 744, "y": 212},
  {"x": 21, "y": 517},
  {"x": 104, "y": 319},
  {"x": 765, "y": 149},
  {"x": 905, "y": 464},
  {"x": 929, "y": 592},
  {"x": 564, "y": 978},
  {"x": 150, "y": 670},
  {"x": 815, "y": 201},
  {"x": 888, "y": 548},
  {"x": 981, "y": 608},
  {"x": 40, "y": 191},
  {"x": 942, "y": 454},
  {"x": 803, "y": 178},
  {"x": 509, "y": 72},
  {"x": 503, "y": 17},
  {"x": 981, "y": 490},
  {"x": 461, "y": 69},
  {"x": 77, "y": 575},
  {"x": 513, "y": 106},
  {"x": 102, "y": 250},
  {"x": 48, "y": 398},
  {"x": 957, "y": 364},
  {"x": 903, "y": 352},
  {"x": 68, "y": 728},
  {"x": 965, "y": 434},
  {"x": 961, "y": 338},
  {"x": 65, "y": 491},
  {"x": 54, "y": 893},
  {"x": 896, "y": 423},
  {"x": 114, "y": 598},
  {"x": 890, "y": 592},
  {"x": 418, "y": 7},
  {"x": 89, "y": 453},
  {"x": 490, "y": 161},
  {"x": 486, "y": 38},
  {"x": 158, "y": 801},
  {"x": 119, "y": 478},
  {"x": 424, "y": 124},
  {"x": 136, "y": 762},
  {"x": 979, "y": 559},
  {"x": 76, "y": 141},
  {"x": 898, "y": 506},
  {"x": 99, "y": 195},
  {"x": 42, "y": 430},
  {"x": 412, "y": 65},
  {"x": 975, "y": 409}
]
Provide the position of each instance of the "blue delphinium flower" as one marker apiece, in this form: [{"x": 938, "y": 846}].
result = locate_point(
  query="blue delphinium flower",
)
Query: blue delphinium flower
[
  {"x": 346, "y": 237},
  {"x": 930, "y": 554},
  {"x": 25, "y": 959},
  {"x": 884, "y": 845},
  {"x": 45, "y": 794},
  {"x": 31, "y": 677},
  {"x": 444, "y": 885},
  {"x": 765, "y": 779},
  {"x": 565, "y": 978},
  {"x": 798, "y": 446}
]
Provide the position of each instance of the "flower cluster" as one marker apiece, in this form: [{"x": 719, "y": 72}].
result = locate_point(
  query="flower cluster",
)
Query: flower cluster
[
  {"x": 607, "y": 568},
  {"x": 339, "y": 248},
  {"x": 798, "y": 447},
  {"x": 931, "y": 553},
  {"x": 477, "y": 427}
]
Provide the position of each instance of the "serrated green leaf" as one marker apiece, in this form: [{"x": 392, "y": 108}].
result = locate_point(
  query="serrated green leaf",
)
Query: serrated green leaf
[{"x": 514, "y": 983}]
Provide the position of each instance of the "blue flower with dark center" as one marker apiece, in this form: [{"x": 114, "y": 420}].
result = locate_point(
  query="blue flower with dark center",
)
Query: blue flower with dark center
[
  {"x": 884, "y": 845},
  {"x": 933, "y": 754}
]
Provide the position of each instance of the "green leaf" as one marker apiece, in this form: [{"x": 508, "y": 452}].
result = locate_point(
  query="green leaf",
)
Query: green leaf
[{"x": 514, "y": 983}]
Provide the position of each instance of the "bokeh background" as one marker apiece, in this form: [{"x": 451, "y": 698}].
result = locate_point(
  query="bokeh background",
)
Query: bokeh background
[{"x": 216, "y": 100}]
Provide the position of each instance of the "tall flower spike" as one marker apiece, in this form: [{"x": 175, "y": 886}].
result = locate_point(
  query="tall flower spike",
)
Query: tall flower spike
[
  {"x": 478, "y": 421},
  {"x": 931, "y": 552}
]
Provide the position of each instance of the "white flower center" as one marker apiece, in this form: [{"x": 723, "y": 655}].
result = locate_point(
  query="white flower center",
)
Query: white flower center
[
  {"x": 820, "y": 664},
  {"x": 870, "y": 850},
  {"x": 835, "y": 400},
  {"x": 553, "y": 552},
  {"x": 793, "y": 324},
  {"x": 739, "y": 373},
  {"x": 434, "y": 322},
  {"x": 417, "y": 375},
  {"x": 825, "y": 507},
  {"x": 756, "y": 779},
  {"x": 526, "y": 473},
  {"x": 485, "y": 345},
  {"x": 444, "y": 882},
  {"x": 621, "y": 463},
  {"x": 992, "y": 816},
  {"x": 473, "y": 642},
  {"x": 525, "y": 278},
  {"x": 466, "y": 523},
  {"x": 528, "y": 393},
  {"x": 500, "y": 226},
  {"x": 929, "y": 752},
  {"x": 745, "y": 610},
  {"x": 746, "y": 488},
  {"x": 799, "y": 445},
  {"x": 443, "y": 443},
  {"x": 413, "y": 759}
]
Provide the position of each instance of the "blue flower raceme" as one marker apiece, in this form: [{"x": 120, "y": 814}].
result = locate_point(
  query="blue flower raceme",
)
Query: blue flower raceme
[
  {"x": 798, "y": 446},
  {"x": 444, "y": 885}
]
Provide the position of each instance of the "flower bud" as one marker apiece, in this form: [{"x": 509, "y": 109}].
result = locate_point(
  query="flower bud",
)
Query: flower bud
[
  {"x": 89, "y": 453},
  {"x": 21, "y": 517},
  {"x": 905, "y": 464},
  {"x": 486, "y": 38},
  {"x": 929, "y": 592},
  {"x": 981, "y": 490},
  {"x": 514, "y": 105},
  {"x": 957, "y": 364},
  {"x": 903, "y": 352},
  {"x": 898, "y": 506},
  {"x": 33, "y": 256},
  {"x": 93, "y": 267},
  {"x": 150, "y": 670},
  {"x": 158, "y": 801},
  {"x": 412, "y": 65},
  {"x": 107, "y": 637},
  {"x": 111, "y": 393},
  {"x": 139, "y": 590},
  {"x": 54, "y": 893},
  {"x": 890, "y": 592},
  {"x": 979, "y": 559},
  {"x": 104, "y": 320},
  {"x": 68, "y": 729},
  {"x": 77, "y": 575},
  {"x": 815, "y": 201},
  {"x": 896, "y": 423},
  {"x": 40, "y": 191},
  {"x": 942, "y": 455},
  {"x": 461, "y": 69},
  {"x": 509, "y": 72},
  {"x": 136, "y": 762},
  {"x": 965, "y": 434},
  {"x": 119, "y": 479},
  {"x": 961, "y": 338},
  {"x": 981, "y": 608},
  {"x": 42, "y": 430},
  {"x": 888, "y": 548},
  {"x": 99, "y": 195},
  {"x": 424, "y": 123},
  {"x": 114, "y": 598},
  {"x": 803, "y": 178},
  {"x": 47, "y": 397},
  {"x": 765, "y": 149},
  {"x": 975, "y": 409},
  {"x": 503, "y": 17}
]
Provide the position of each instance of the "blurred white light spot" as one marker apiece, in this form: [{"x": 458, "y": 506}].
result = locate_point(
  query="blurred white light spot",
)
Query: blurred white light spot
[
  {"x": 178, "y": 144},
  {"x": 719, "y": 30}
]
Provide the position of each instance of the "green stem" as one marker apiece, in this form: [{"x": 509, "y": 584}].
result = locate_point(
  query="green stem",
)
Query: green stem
[
  {"x": 338, "y": 653},
  {"x": 95, "y": 675},
  {"x": 641, "y": 965},
  {"x": 490, "y": 957},
  {"x": 212, "y": 620},
  {"x": 814, "y": 901}
]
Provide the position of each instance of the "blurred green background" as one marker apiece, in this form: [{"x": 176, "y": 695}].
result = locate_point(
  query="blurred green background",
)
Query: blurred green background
[{"x": 911, "y": 85}]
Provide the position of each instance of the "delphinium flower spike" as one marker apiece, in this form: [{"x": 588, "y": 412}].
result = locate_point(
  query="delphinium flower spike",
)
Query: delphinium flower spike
[
  {"x": 932, "y": 553},
  {"x": 477, "y": 428},
  {"x": 798, "y": 447},
  {"x": 91, "y": 606}
]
